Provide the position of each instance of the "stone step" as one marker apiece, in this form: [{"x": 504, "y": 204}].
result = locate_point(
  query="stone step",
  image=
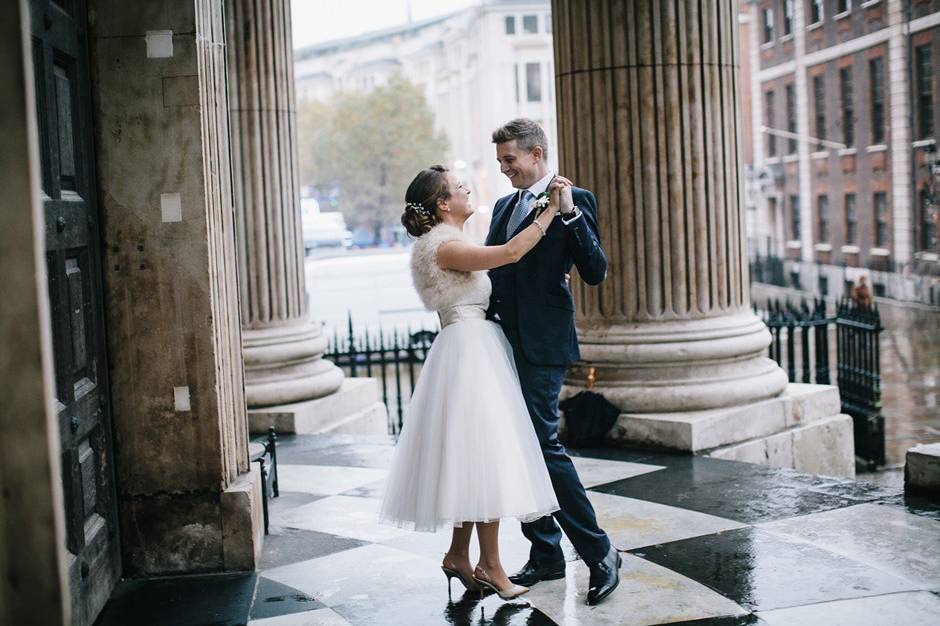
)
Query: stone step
[
  {"x": 698, "y": 431},
  {"x": 355, "y": 408},
  {"x": 824, "y": 446},
  {"x": 922, "y": 469}
]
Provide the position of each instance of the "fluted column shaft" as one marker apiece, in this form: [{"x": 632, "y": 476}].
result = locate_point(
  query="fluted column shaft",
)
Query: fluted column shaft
[
  {"x": 648, "y": 119},
  {"x": 283, "y": 350}
]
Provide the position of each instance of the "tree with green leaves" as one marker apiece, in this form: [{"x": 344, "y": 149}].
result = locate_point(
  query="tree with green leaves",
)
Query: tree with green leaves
[{"x": 369, "y": 146}]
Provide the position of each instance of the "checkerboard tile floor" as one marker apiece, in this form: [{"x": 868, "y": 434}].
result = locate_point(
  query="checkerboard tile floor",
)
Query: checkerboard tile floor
[{"x": 703, "y": 541}]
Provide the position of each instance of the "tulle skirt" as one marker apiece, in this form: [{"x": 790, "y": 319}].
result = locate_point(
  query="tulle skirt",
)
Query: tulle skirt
[{"x": 467, "y": 451}]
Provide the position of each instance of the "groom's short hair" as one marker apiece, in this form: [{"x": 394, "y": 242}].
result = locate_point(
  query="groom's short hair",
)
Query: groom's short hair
[{"x": 526, "y": 132}]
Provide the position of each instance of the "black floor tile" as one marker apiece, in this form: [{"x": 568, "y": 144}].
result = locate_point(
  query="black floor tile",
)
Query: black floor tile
[
  {"x": 762, "y": 571},
  {"x": 740, "y": 620},
  {"x": 916, "y": 504},
  {"x": 742, "y": 492},
  {"x": 291, "y": 500},
  {"x": 292, "y": 545},
  {"x": 273, "y": 598},
  {"x": 338, "y": 450},
  {"x": 206, "y": 600}
]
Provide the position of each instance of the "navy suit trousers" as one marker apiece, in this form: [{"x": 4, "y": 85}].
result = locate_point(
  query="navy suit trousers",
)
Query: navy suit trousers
[{"x": 541, "y": 386}]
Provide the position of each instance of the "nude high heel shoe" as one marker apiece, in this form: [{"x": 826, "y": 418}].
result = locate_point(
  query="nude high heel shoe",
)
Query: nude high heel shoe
[
  {"x": 469, "y": 584},
  {"x": 513, "y": 591}
]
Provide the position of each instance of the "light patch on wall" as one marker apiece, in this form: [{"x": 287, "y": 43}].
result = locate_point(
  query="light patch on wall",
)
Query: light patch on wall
[
  {"x": 159, "y": 44},
  {"x": 181, "y": 398},
  {"x": 171, "y": 207}
]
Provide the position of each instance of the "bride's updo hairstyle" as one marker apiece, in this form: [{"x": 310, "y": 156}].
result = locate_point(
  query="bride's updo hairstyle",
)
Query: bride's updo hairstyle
[{"x": 425, "y": 191}]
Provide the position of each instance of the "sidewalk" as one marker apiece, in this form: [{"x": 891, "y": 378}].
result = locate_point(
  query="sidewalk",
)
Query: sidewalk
[{"x": 704, "y": 542}]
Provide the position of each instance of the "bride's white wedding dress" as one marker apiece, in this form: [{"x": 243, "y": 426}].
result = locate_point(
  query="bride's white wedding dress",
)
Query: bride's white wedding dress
[{"x": 467, "y": 450}]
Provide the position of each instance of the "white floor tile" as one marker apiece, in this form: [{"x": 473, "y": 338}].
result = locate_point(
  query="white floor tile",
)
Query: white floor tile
[
  {"x": 320, "y": 617},
  {"x": 917, "y": 608},
  {"x": 884, "y": 537},
  {"x": 346, "y": 516},
  {"x": 632, "y": 523},
  {"x": 594, "y": 472},
  {"x": 648, "y": 594}
]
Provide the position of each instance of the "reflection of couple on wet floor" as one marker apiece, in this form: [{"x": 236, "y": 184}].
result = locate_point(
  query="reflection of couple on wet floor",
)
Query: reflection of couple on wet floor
[{"x": 480, "y": 441}]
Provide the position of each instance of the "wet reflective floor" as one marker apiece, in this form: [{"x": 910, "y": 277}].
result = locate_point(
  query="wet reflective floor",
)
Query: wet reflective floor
[{"x": 703, "y": 541}]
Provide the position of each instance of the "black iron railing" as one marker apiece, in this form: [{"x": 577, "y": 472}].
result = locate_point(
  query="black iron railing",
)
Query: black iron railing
[
  {"x": 800, "y": 344},
  {"x": 859, "y": 363},
  {"x": 393, "y": 356}
]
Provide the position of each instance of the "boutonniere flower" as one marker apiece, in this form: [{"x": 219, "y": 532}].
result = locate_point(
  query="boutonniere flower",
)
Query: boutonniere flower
[{"x": 541, "y": 202}]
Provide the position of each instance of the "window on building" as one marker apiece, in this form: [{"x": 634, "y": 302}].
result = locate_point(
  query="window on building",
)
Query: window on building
[
  {"x": 771, "y": 123},
  {"x": 530, "y": 24},
  {"x": 843, "y": 5},
  {"x": 822, "y": 203},
  {"x": 923, "y": 64},
  {"x": 877, "y": 88},
  {"x": 791, "y": 118},
  {"x": 851, "y": 219},
  {"x": 819, "y": 104},
  {"x": 815, "y": 11},
  {"x": 510, "y": 24},
  {"x": 515, "y": 73},
  {"x": 787, "y": 17},
  {"x": 548, "y": 23},
  {"x": 768, "y": 25},
  {"x": 880, "y": 201},
  {"x": 928, "y": 222},
  {"x": 823, "y": 285},
  {"x": 848, "y": 110},
  {"x": 533, "y": 82},
  {"x": 795, "y": 217}
]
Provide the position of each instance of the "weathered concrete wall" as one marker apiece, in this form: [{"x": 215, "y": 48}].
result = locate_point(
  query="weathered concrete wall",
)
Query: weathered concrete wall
[
  {"x": 32, "y": 540},
  {"x": 177, "y": 387}
]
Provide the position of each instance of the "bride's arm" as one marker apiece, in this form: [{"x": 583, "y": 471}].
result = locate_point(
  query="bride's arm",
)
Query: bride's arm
[{"x": 466, "y": 257}]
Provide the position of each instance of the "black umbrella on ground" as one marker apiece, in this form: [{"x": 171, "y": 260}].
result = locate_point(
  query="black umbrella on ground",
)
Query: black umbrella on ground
[{"x": 589, "y": 417}]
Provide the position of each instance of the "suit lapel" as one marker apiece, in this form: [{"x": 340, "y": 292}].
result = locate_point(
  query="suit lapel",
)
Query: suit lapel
[{"x": 501, "y": 213}]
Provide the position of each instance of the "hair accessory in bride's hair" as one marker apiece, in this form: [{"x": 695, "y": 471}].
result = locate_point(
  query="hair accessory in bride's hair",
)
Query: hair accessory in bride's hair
[{"x": 420, "y": 208}]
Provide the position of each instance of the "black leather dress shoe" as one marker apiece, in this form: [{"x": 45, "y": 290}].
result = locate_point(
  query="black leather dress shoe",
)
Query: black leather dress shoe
[
  {"x": 532, "y": 572},
  {"x": 605, "y": 576}
]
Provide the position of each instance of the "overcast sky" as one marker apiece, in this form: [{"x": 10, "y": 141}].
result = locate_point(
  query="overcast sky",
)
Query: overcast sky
[{"x": 316, "y": 21}]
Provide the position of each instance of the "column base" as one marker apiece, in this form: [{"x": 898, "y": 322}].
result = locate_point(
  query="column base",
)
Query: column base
[
  {"x": 284, "y": 364},
  {"x": 801, "y": 429},
  {"x": 242, "y": 522},
  {"x": 355, "y": 409},
  {"x": 679, "y": 365}
]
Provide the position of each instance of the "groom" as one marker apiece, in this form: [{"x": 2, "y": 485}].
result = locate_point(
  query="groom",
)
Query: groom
[{"x": 532, "y": 303}]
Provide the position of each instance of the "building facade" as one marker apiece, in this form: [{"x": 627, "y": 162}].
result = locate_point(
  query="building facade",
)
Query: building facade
[
  {"x": 843, "y": 121},
  {"x": 478, "y": 68}
]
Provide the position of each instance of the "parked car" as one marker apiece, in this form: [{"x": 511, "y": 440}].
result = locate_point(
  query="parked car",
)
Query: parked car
[{"x": 322, "y": 230}]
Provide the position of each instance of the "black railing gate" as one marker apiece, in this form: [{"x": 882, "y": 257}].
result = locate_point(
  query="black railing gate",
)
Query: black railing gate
[{"x": 800, "y": 345}]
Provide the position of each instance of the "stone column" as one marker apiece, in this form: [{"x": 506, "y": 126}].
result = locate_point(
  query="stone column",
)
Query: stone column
[
  {"x": 648, "y": 119},
  {"x": 282, "y": 349}
]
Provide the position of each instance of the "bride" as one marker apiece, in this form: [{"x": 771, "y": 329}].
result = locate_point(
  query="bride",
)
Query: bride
[{"x": 468, "y": 455}]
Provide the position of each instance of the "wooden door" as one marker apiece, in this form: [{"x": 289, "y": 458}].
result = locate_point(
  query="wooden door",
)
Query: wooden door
[{"x": 63, "y": 103}]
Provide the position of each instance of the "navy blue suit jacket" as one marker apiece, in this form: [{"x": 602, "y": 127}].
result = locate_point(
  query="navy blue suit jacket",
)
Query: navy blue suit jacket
[{"x": 532, "y": 294}]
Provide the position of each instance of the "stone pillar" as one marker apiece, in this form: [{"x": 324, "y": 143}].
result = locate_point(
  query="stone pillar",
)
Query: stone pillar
[
  {"x": 282, "y": 349},
  {"x": 648, "y": 119}
]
